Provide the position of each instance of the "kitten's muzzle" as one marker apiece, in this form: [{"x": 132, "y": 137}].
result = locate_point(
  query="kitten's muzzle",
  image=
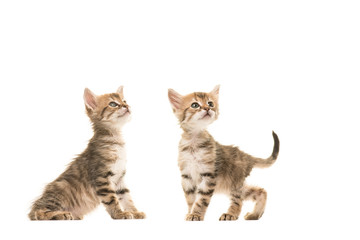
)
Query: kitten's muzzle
[
  {"x": 207, "y": 113},
  {"x": 125, "y": 111}
]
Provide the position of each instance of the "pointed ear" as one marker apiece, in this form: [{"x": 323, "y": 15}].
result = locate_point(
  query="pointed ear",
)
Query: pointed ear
[
  {"x": 216, "y": 91},
  {"x": 175, "y": 99},
  {"x": 120, "y": 91},
  {"x": 90, "y": 99}
]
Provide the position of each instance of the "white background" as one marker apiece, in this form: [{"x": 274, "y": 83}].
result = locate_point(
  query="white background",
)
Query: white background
[{"x": 288, "y": 66}]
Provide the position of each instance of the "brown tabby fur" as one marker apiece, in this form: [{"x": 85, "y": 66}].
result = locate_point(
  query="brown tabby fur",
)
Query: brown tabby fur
[
  {"x": 208, "y": 167},
  {"x": 97, "y": 175}
]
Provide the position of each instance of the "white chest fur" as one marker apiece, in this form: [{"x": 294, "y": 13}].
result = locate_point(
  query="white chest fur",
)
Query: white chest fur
[
  {"x": 194, "y": 161},
  {"x": 119, "y": 166}
]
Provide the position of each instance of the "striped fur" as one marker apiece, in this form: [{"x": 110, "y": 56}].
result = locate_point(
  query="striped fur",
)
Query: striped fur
[
  {"x": 97, "y": 175},
  {"x": 208, "y": 167}
]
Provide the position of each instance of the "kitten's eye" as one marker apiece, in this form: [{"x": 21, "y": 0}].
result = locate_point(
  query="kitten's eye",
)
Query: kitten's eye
[
  {"x": 211, "y": 104},
  {"x": 113, "y": 104},
  {"x": 124, "y": 101},
  {"x": 195, "y": 105}
]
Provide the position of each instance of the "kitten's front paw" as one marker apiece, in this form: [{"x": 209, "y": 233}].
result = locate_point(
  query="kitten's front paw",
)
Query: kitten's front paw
[
  {"x": 252, "y": 216},
  {"x": 194, "y": 217},
  {"x": 122, "y": 215},
  {"x": 138, "y": 215},
  {"x": 228, "y": 217}
]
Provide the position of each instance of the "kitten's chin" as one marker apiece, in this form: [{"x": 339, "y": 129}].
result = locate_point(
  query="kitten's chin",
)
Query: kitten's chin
[
  {"x": 206, "y": 117},
  {"x": 199, "y": 125},
  {"x": 124, "y": 118},
  {"x": 121, "y": 120},
  {"x": 125, "y": 115}
]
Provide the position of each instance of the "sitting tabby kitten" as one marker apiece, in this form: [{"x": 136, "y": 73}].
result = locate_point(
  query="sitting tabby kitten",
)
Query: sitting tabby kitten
[
  {"x": 97, "y": 175},
  {"x": 207, "y": 166}
]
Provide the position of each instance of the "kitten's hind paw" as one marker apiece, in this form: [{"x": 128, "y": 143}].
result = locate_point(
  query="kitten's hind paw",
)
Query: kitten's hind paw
[
  {"x": 50, "y": 215},
  {"x": 138, "y": 215},
  {"x": 194, "y": 217},
  {"x": 228, "y": 217},
  {"x": 252, "y": 216}
]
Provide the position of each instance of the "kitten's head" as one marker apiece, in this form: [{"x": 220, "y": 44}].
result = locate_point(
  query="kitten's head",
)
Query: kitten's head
[
  {"x": 108, "y": 110},
  {"x": 196, "y": 110}
]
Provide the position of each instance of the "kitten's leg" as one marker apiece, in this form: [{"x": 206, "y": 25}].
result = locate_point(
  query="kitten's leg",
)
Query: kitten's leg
[
  {"x": 126, "y": 202},
  {"x": 258, "y": 195},
  {"x": 203, "y": 196},
  {"x": 105, "y": 191},
  {"x": 235, "y": 207},
  {"x": 189, "y": 188},
  {"x": 51, "y": 205}
]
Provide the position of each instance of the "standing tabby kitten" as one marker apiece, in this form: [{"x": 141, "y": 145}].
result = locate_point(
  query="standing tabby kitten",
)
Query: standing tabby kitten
[
  {"x": 97, "y": 175},
  {"x": 207, "y": 166}
]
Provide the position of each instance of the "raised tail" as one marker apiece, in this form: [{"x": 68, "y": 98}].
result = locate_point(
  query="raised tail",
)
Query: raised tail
[{"x": 263, "y": 163}]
